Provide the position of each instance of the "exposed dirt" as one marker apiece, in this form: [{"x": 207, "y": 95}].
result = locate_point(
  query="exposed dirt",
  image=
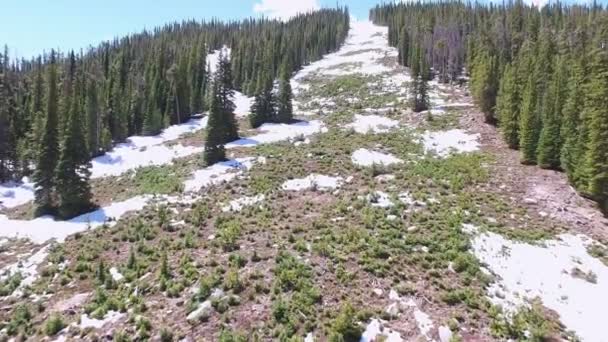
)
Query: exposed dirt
[{"x": 546, "y": 193}]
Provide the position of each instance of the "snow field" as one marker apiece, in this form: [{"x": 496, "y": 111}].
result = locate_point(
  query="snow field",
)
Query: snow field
[{"x": 558, "y": 271}]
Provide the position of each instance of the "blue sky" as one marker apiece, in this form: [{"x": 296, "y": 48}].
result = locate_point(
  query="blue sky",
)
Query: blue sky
[{"x": 28, "y": 27}]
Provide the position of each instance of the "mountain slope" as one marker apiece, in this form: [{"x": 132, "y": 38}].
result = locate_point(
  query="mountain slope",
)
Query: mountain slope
[{"x": 362, "y": 220}]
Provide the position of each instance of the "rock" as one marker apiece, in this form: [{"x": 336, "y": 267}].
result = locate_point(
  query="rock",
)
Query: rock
[
  {"x": 393, "y": 309},
  {"x": 530, "y": 201},
  {"x": 412, "y": 229},
  {"x": 378, "y": 292},
  {"x": 202, "y": 313},
  {"x": 445, "y": 334}
]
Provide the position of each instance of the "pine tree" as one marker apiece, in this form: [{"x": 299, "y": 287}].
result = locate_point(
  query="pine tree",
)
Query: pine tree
[
  {"x": 224, "y": 95},
  {"x": 5, "y": 117},
  {"x": 214, "y": 146},
  {"x": 596, "y": 156},
  {"x": 404, "y": 45},
  {"x": 549, "y": 144},
  {"x": 419, "y": 88},
  {"x": 571, "y": 151},
  {"x": 507, "y": 106},
  {"x": 72, "y": 174},
  {"x": 262, "y": 109},
  {"x": 284, "y": 100},
  {"x": 44, "y": 176},
  {"x": 93, "y": 119},
  {"x": 484, "y": 86},
  {"x": 529, "y": 129}
]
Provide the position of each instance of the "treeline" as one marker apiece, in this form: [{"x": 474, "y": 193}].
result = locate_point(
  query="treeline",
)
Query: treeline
[
  {"x": 541, "y": 75},
  {"x": 144, "y": 82}
]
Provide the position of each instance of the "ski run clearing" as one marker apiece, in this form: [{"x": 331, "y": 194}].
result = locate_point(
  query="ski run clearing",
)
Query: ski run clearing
[{"x": 559, "y": 271}]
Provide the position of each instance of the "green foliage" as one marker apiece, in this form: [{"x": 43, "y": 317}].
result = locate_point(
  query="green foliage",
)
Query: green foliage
[
  {"x": 49, "y": 145},
  {"x": 53, "y": 325},
  {"x": 228, "y": 233},
  {"x": 345, "y": 328},
  {"x": 507, "y": 106}
]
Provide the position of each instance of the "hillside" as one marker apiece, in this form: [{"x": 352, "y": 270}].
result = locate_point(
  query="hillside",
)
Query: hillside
[{"x": 361, "y": 220}]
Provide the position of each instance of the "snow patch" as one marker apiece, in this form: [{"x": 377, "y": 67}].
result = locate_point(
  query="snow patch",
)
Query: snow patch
[
  {"x": 110, "y": 317},
  {"x": 14, "y": 194},
  {"x": 217, "y": 173},
  {"x": 238, "y": 204},
  {"x": 365, "y": 157},
  {"x": 443, "y": 143},
  {"x": 46, "y": 228},
  {"x": 313, "y": 181},
  {"x": 280, "y": 132},
  {"x": 376, "y": 329},
  {"x": 380, "y": 199},
  {"x": 364, "y": 124},
  {"x": 28, "y": 268},
  {"x": 362, "y": 52},
  {"x": 116, "y": 275},
  {"x": 213, "y": 58},
  {"x": 547, "y": 271},
  {"x": 243, "y": 104}
]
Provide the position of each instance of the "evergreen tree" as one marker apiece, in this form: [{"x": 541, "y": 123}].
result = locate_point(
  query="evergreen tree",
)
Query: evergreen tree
[
  {"x": 93, "y": 119},
  {"x": 596, "y": 156},
  {"x": 224, "y": 95},
  {"x": 72, "y": 174},
  {"x": 507, "y": 106},
  {"x": 284, "y": 100},
  {"x": 419, "y": 88},
  {"x": 214, "y": 146},
  {"x": 549, "y": 144},
  {"x": 529, "y": 129},
  {"x": 48, "y": 155},
  {"x": 484, "y": 86},
  {"x": 262, "y": 109},
  {"x": 404, "y": 45},
  {"x": 571, "y": 151}
]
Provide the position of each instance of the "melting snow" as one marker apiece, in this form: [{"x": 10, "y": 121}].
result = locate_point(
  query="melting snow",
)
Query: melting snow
[
  {"x": 365, "y": 157},
  {"x": 243, "y": 104},
  {"x": 116, "y": 275},
  {"x": 46, "y": 228},
  {"x": 238, "y": 204},
  {"x": 217, "y": 173},
  {"x": 445, "y": 142},
  {"x": 13, "y": 194},
  {"x": 528, "y": 271},
  {"x": 111, "y": 317},
  {"x": 380, "y": 199},
  {"x": 313, "y": 181},
  {"x": 28, "y": 268},
  {"x": 213, "y": 58},
  {"x": 375, "y": 329},
  {"x": 364, "y": 124},
  {"x": 279, "y": 132},
  {"x": 362, "y": 53}
]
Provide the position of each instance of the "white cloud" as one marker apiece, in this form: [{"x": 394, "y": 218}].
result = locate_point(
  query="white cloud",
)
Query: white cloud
[{"x": 284, "y": 9}]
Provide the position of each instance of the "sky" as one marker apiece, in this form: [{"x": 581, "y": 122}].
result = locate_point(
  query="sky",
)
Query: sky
[{"x": 29, "y": 27}]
